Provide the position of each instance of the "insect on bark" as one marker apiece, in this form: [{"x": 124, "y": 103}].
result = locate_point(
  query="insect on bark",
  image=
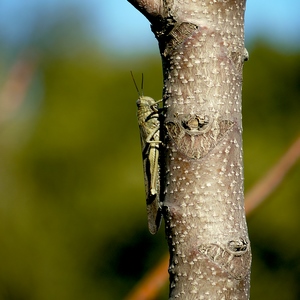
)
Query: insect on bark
[{"x": 149, "y": 124}]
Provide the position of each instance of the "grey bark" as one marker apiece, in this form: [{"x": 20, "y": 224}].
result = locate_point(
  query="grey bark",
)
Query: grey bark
[{"x": 202, "y": 48}]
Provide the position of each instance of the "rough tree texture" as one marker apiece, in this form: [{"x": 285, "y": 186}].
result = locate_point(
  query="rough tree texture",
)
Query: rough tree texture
[{"x": 202, "y": 49}]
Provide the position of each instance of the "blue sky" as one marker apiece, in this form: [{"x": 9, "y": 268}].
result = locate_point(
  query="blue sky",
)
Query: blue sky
[
  {"x": 118, "y": 25},
  {"x": 275, "y": 20}
]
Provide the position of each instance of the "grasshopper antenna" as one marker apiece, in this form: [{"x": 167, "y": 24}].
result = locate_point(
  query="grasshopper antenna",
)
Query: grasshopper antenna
[
  {"x": 142, "y": 84},
  {"x": 136, "y": 84}
]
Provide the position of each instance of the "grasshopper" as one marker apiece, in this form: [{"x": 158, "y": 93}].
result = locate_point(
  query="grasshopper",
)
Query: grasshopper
[{"x": 149, "y": 124}]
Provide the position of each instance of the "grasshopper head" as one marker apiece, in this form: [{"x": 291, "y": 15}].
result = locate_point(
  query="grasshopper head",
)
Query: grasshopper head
[{"x": 145, "y": 101}]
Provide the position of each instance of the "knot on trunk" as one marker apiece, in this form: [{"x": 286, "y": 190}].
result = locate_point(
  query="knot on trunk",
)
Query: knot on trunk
[{"x": 196, "y": 134}]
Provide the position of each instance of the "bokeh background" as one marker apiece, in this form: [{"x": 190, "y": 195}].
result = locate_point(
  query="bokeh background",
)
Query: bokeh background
[{"x": 72, "y": 204}]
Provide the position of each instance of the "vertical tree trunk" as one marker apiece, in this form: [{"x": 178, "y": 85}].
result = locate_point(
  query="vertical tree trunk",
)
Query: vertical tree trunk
[{"x": 202, "y": 49}]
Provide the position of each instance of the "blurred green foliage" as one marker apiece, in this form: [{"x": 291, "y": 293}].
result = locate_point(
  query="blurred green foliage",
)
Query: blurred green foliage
[
  {"x": 72, "y": 204},
  {"x": 271, "y": 109},
  {"x": 72, "y": 210}
]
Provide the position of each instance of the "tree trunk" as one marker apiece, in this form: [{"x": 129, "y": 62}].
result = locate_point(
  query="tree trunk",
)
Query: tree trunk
[{"x": 202, "y": 48}]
